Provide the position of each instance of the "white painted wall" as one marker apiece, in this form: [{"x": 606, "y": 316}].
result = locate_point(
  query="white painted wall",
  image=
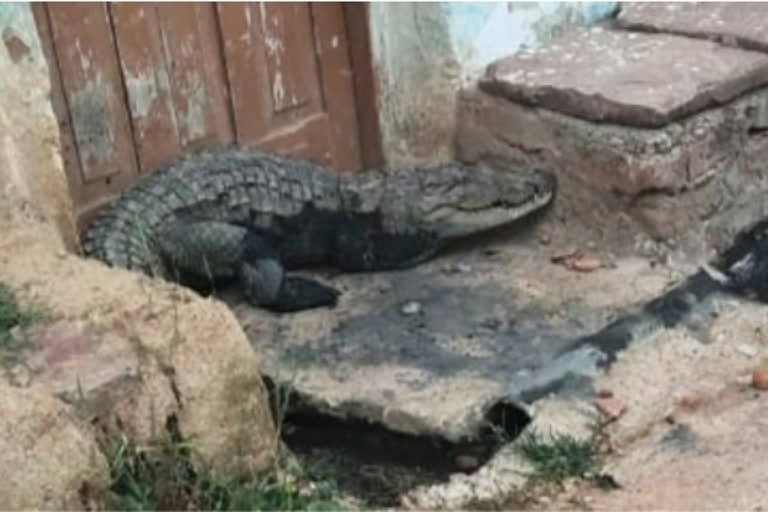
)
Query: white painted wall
[
  {"x": 485, "y": 31},
  {"x": 424, "y": 52}
]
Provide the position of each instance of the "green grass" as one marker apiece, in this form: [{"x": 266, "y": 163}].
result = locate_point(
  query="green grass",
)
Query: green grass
[
  {"x": 168, "y": 475},
  {"x": 558, "y": 457},
  {"x": 13, "y": 317}
]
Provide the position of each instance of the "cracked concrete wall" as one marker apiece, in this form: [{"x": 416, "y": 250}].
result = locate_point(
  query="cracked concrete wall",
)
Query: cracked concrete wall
[
  {"x": 33, "y": 184},
  {"x": 424, "y": 53}
]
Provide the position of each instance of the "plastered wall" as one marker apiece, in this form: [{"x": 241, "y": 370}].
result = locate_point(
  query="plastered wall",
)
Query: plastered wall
[
  {"x": 33, "y": 186},
  {"x": 424, "y": 52}
]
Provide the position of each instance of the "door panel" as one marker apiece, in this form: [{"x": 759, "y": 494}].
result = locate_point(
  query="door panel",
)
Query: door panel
[
  {"x": 136, "y": 84},
  {"x": 91, "y": 90}
]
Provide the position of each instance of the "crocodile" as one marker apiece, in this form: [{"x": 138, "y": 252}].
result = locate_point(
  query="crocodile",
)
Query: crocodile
[{"x": 252, "y": 217}]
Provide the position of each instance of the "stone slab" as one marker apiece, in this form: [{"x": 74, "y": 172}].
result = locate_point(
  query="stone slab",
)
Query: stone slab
[
  {"x": 493, "y": 319},
  {"x": 628, "y": 78},
  {"x": 743, "y": 24}
]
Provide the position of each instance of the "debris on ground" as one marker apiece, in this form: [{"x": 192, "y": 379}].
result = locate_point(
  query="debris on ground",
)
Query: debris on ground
[
  {"x": 760, "y": 378},
  {"x": 610, "y": 407},
  {"x": 578, "y": 261},
  {"x": 748, "y": 350},
  {"x": 411, "y": 308},
  {"x": 690, "y": 401}
]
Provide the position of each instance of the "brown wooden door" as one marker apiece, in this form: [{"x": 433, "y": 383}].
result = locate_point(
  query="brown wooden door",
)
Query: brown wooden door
[{"x": 136, "y": 84}]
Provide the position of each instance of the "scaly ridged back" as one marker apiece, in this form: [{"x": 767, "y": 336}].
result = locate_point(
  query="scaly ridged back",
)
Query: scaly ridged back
[{"x": 231, "y": 185}]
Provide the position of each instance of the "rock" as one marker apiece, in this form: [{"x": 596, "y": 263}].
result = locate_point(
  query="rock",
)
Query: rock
[
  {"x": 744, "y": 27},
  {"x": 578, "y": 261},
  {"x": 138, "y": 351},
  {"x": 635, "y": 79},
  {"x": 748, "y": 350},
  {"x": 68, "y": 358},
  {"x": 760, "y": 378},
  {"x": 47, "y": 455},
  {"x": 19, "y": 376},
  {"x": 411, "y": 308},
  {"x": 463, "y": 268},
  {"x": 491, "y": 323},
  {"x": 690, "y": 401},
  {"x": 612, "y": 408},
  {"x": 585, "y": 264},
  {"x": 457, "y": 268}
]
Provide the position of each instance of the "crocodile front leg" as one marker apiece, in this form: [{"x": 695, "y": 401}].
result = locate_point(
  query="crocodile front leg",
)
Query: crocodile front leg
[
  {"x": 266, "y": 285},
  {"x": 205, "y": 251}
]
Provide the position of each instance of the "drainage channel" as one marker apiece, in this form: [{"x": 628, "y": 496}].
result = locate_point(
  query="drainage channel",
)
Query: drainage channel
[{"x": 376, "y": 464}]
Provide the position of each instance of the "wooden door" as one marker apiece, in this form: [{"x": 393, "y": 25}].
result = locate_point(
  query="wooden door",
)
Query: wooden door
[{"x": 136, "y": 84}]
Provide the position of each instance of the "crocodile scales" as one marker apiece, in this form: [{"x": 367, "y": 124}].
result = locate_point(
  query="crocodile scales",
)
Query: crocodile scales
[{"x": 252, "y": 217}]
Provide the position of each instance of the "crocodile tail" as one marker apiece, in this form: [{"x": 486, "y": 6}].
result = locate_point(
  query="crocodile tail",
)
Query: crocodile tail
[{"x": 121, "y": 236}]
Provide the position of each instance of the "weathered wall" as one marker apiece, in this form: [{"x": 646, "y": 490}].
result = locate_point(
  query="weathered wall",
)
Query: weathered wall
[
  {"x": 33, "y": 186},
  {"x": 425, "y": 52}
]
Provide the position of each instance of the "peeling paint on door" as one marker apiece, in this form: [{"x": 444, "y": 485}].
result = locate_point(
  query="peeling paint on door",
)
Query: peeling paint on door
[
  {"x": 142, "y": 83},
  {"x": 278, "y": 92},
  {"x": 142, "y": 93},
  {"x": 191, "y": 117},
  {"x": 91, "y": 120}
]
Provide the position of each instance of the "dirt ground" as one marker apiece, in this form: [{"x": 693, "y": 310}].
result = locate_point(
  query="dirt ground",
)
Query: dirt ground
[
  {"x": 710, "y": 459},
  {"x": 693, "y": 436}
]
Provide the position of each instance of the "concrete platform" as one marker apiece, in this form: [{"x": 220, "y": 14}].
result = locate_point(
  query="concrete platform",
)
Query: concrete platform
[
  {"x": 744, "y": 24},
  {"x": 432, "y": 349}
]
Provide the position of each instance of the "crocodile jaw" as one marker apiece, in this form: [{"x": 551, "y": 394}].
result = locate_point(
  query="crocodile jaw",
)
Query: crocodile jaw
[{"x": 458, "y": 223}]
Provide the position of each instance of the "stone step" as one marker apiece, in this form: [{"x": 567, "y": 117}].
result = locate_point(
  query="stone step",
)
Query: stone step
[
  {"x": 629, "y": 78},
  {"x": 744, "y": 25},
  {"x": 652, "y": 134}
]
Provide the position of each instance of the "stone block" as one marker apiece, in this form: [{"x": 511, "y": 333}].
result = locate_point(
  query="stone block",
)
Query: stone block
[
  {"x": 736, "y": 24},
  {"x": 629, "y": 78},
  {"x": 681, "y": 183}
]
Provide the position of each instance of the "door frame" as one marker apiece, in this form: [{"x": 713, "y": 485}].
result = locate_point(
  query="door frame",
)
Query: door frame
[{"x": 357, "y": 19}]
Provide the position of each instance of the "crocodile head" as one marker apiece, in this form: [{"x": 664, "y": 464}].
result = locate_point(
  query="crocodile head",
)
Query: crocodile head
[{"x": 456, "y": 200}]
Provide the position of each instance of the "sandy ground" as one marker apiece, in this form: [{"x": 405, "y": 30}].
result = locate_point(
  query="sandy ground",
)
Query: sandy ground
[
  {"x": 709, "y": 459},
  {"x": 712, "y": 459},
  {"x": 694, "y": 434}
]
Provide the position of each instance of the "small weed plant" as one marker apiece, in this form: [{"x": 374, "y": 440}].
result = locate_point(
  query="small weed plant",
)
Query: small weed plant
[
  {"x": 168, "y": 474},
  {"x": 558, "y": 457},
  {"x": 13, "y": 320},
  {"x": 165, "y": 476}
]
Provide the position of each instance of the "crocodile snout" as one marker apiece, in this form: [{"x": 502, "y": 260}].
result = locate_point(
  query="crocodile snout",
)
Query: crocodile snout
[{"x": 544, "y": 182}]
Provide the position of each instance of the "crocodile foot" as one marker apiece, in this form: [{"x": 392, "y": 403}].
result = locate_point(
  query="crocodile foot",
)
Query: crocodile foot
[{"x": 299, "y": 293}]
